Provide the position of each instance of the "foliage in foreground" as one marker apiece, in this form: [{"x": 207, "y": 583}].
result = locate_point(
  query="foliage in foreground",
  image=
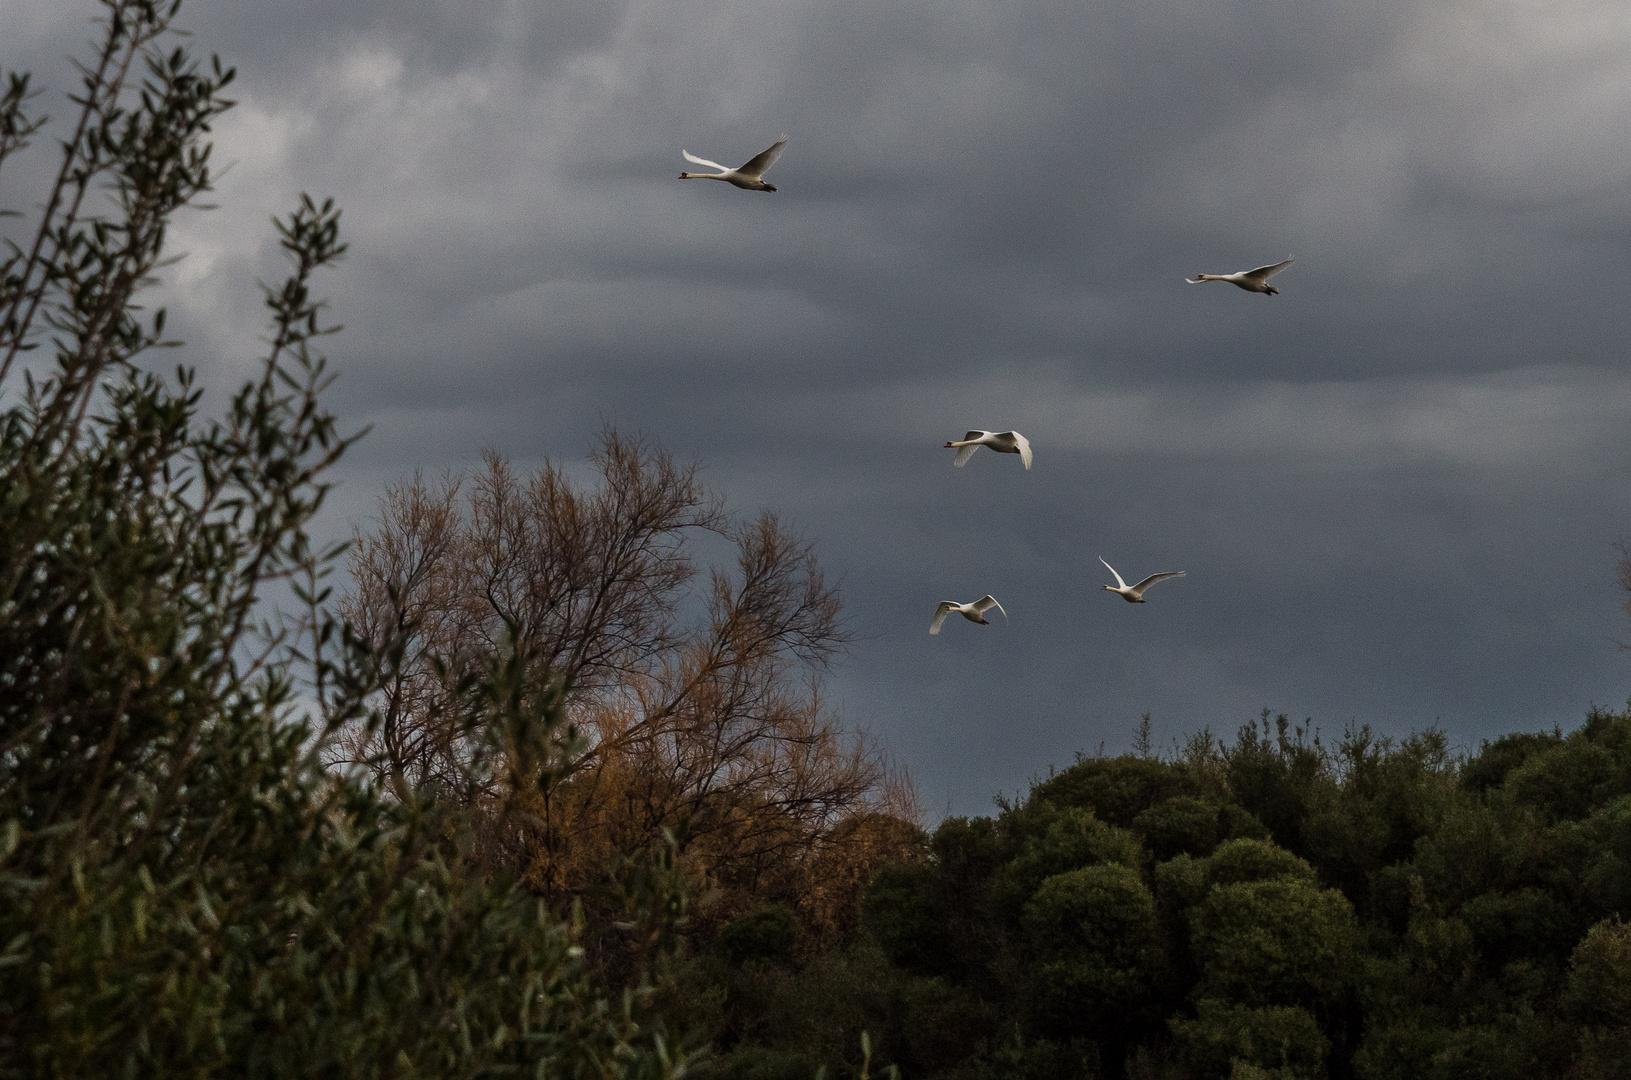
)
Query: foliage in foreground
[
  {"x": 184, "y": 890},
  {"x": 1272, "y": 907}
]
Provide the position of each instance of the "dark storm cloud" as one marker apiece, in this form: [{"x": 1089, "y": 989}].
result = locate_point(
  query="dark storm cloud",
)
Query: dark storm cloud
[{"x": 1394, "y": 486}]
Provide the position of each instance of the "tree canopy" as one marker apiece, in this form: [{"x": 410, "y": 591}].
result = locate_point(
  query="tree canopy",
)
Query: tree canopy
[{"x": 1267, "y": 906}]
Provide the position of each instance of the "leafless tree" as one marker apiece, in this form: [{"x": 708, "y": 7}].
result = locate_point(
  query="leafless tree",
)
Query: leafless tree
[{"x": 697, "y": 697}]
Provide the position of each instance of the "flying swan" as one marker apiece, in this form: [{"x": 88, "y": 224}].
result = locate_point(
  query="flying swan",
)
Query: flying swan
[
  {"x": 1250, "y": 280},
  {"x": 974, "y": 612},
  {"x": 1003, "y": 442},
  {"x": 749, "y": 176},
  {"x": 1134, "y": 594}
]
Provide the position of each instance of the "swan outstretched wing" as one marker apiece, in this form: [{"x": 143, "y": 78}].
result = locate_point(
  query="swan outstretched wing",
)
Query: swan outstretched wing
[
  {"x": 940, "y": 613},
  {"x": 759, "y": 163},
  {"x": 1024, "y": 445},
  {"x": 964, "y": 453},
  {"x": 693, "y": 159},
  {"x": 1112, "y": 569},
  {"x": 1153, "y": 578},
  {"x": 986, "y": 603},
  {"x": 1263, "y": 273}
]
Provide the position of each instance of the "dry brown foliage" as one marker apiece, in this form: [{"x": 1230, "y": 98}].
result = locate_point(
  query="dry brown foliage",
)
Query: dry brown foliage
[{"x": 697, "y": 697}]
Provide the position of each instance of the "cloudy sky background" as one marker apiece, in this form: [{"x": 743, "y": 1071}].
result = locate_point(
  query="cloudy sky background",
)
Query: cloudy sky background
[{"x": 1394, "y": 487}]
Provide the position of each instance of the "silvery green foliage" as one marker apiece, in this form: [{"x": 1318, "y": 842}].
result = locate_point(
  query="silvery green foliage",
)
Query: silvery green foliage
[{"x": 183, "y": 888}]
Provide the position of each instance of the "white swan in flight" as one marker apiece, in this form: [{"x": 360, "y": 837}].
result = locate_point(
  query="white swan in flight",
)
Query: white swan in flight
[
  {"x": 1250, "y": 280},
  {"x": 1134, "y": 594},
  {"x": 1003, "y": 442},
  {"x": 749, "y": 176},
  {"x": 974, "y": 612}
]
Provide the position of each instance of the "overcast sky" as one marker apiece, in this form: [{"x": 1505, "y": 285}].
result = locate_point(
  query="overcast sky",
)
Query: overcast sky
[{"x": 1395, "y": 487}]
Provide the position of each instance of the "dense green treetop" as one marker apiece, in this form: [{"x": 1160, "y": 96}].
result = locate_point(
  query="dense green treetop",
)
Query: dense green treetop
[{"x": 1267, "y": 906}]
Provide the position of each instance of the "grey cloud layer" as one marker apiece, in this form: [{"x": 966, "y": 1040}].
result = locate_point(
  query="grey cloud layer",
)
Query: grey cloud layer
[{"x": 1394, "y": 486}]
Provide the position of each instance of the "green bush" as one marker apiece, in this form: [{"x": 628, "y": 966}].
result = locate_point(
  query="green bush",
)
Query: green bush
[
  {"x": 1096, "y": 949},
  {"x": 1274, "y": 942},
  {"x": 184, "y": 888},
  {"x": 768, "y": 932},
  {"x": 1255, "y": 860},
  {"x": 1599, "y": 987},
  {"x": 1229, "y": 1040},
  {"x": 1116, "y": 790},
  {"x": 902, "y": 914},
  {"x": 1056, "y": 840},
  {"x": 1182, "y": 825}
]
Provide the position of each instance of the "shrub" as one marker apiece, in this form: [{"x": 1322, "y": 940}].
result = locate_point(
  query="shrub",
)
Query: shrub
[
  {"x": 184, "y": 889},
  {"x": 768, "y": 932}
]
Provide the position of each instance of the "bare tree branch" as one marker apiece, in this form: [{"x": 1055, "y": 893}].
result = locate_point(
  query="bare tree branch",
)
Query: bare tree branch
[{"x": 698, "y": 697}]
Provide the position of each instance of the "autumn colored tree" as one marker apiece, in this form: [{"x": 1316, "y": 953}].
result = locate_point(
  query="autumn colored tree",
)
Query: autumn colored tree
[{"x": 697, "y": 698}]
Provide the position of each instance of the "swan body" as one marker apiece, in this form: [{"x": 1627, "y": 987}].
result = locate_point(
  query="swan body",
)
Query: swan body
[
  {"x": 974, "y": 612},
  {"x": 749, "y": 177},
  {"x": 1134, "y": 594},
  {"x": 1003, "y": 442},
  {"x": 1250, "y": 280}
]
